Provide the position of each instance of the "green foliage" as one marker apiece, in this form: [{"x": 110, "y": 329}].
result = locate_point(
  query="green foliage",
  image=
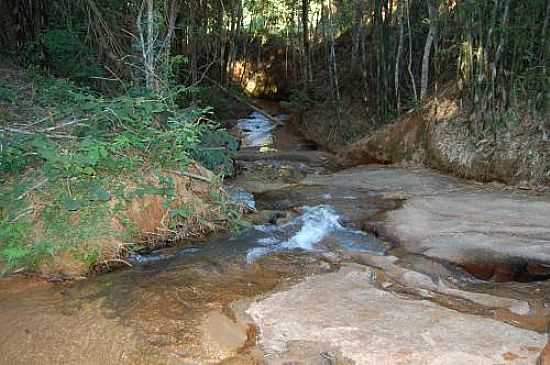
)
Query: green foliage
[
  {"x": 228, "y": 209},
  {"x": 12, "y": 252},
  {"x": 66, "y": 52},
  {"x": 223, "y": 107},
  {"x": 121, "y": 134},
  {"x": 216, "y": 150},
  {"x": 69, "y": 55},
  {"x": 7, "y": 94},
  {"x": 118, "y": 141},
  {"x": 501, "y": 60},
  {"x": 298, "y": 101}
]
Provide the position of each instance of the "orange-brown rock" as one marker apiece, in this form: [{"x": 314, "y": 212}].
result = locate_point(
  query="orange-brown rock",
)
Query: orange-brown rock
[{"x": 544, "y": 358}]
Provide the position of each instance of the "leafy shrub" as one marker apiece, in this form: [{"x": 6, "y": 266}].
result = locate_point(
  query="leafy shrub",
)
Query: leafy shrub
[
  {"x": 66, "y": 53},
  {"x": 73, "y": 175},
  {"x": 298, "y": 101},
  {"x": 216, "y": 150}
]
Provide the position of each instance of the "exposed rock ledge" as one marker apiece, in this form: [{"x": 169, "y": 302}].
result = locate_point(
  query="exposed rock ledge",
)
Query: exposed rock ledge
[
  {"x": 493, "y": 233},
  {"x": 344, "y": 316}
]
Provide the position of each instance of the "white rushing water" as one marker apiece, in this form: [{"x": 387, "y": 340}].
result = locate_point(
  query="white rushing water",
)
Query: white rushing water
[
  {"x": 307, "y": 231},
  {"x": 315, "y": 224},
  {"x": 257, "y": 130},
  {"x": 317, "y": 228}
]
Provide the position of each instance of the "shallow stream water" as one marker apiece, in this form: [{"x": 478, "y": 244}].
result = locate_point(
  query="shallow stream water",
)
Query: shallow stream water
[{"x": 152, "y": 313}]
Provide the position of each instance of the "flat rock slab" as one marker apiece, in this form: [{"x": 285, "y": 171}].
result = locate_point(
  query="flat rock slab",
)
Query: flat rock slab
[
  {"x": 391, "y": 182},
  {"x": 344, "y": 313},
  {"x": 447, "y": 218},
  {"x": 459, "y": 226}
]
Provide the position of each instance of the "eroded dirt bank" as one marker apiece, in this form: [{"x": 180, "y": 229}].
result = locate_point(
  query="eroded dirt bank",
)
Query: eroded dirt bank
[{"x": 444, "y": 135}]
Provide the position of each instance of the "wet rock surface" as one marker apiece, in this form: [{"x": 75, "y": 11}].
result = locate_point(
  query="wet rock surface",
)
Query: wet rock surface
[
  {"x": 172, "y": 312},
  {"x": 492, "y": 233},
  {"x": 222, "y": 337},
  {"x": 445, "y": 283},
  {"x": 450, "y": 236}
]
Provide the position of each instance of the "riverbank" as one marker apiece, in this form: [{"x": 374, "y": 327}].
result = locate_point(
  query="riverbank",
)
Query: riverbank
[
  {"x": 509, "y": 147},
  {"x": 87, "y": 180}
]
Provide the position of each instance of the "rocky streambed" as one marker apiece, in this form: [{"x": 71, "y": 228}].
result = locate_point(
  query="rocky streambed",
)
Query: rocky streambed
[{"x": 370, "y": 265}]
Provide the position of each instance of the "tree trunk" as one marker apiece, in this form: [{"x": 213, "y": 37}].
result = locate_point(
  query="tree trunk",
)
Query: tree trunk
[
  {"x": 173, "y": 12},
  {"x": 332, "y": 58},
  {"x": 432, "y": 33},
  {"x": 398, "y": 56},
  {"x": 235, "y": 33},
  {"x": 193, "y": 42},
  {"x": 305, "y": 35},
  {"x": 504, "y": 25},
  {"x": 545, "y": 44},
  {"x": 150, "y": 82},
  {"x": 411, "y": 74},
  {"x": 356, "y": 32}
]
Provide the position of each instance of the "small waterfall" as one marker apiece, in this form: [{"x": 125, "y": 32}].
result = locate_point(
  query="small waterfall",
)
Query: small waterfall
[{"x": 309, "y": 230}]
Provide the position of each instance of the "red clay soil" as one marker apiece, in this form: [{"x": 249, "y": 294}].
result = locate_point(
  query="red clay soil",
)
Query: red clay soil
[{"x": 442, "y": 136}]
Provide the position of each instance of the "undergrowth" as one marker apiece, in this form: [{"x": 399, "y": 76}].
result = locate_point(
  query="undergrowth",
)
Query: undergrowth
[{"x": 67, "y": 155}]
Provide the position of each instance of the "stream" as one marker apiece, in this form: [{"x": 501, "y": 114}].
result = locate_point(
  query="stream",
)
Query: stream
[{"x": 160, "y": 310}]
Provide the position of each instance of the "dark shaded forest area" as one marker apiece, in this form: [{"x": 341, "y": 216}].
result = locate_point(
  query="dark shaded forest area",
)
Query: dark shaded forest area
[{"x": 388, "y": 54}]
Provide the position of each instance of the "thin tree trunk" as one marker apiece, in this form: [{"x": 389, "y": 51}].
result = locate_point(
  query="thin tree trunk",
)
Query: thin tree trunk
[
  {"x": 287, "y": 42},
  {"x": 495, "y": 66},
  {"x": 364, "y": 65},
  {"x": 504, "y": 24},
  {"x": 150, "y": 82},
  {"x": 235, "y": 35},
  {"x": 333, "y": 63},
  {"x": 356, "y": 32},
  {"x": 545, "y": 44},
  {"x": 432, "y": 33},
  {"x": 413, "y": 81},
  {"x": 398, "y": 56},
  {"x": 222, "y": 42},
  {"x": 193, "y": 41},
  {"x": 294, "y": 47},
  {"x": 141, "y": 36},
  {"x": 174, "y": 10},
  {"x": 305, "y": 35}
]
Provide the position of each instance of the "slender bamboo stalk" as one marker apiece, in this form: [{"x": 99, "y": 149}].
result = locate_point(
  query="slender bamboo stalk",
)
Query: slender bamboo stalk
[
  {"x": 398, "y": 57},
  {"x": 432, "y": 33},
  {"x": 411, "y": 74}
]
